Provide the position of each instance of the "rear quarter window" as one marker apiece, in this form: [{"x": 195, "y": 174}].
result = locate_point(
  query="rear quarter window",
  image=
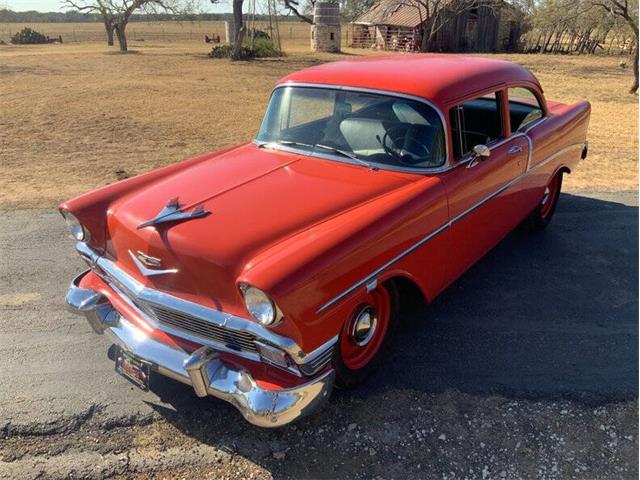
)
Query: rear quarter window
[{"x": 524, "y": 108}]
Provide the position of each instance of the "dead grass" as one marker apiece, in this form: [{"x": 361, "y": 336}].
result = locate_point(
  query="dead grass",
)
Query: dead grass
[{"x": 74, "y": 115}]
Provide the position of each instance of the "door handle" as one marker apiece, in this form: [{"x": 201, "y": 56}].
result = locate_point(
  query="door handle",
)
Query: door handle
[{"x": 515, "y": 149}]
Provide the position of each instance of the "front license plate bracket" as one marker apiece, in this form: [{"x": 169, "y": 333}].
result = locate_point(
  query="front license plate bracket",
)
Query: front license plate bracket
[{"x": 133, "y": 368}]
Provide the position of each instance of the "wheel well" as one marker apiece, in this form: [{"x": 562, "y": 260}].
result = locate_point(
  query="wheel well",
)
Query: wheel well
[
  {"x": 409, "y": 293},
  {"x": 564, "y": 169}
]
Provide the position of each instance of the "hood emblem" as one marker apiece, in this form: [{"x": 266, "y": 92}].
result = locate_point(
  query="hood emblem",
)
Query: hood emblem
[
  {"x": 148, "y": 260},
  {"x": 172, "y": 213},
  {"x": 143, "y": 261}
]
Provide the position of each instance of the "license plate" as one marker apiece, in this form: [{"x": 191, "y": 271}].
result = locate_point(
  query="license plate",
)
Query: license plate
[{"x": 133, "y": 369}]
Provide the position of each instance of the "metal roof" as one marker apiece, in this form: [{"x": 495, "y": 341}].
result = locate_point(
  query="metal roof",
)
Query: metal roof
[
  {"x": 405, "y": 13},
  {"x": 409, "y": 14}
]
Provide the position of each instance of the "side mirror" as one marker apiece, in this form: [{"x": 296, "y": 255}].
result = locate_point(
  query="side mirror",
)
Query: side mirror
[{"x": 480, "y": 152}]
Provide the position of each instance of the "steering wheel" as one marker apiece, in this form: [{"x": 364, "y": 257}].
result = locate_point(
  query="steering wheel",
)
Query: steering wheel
[{"x": 402, "y": 153}]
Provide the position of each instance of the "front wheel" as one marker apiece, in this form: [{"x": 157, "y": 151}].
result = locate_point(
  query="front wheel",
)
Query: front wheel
[
  {"x": 358, "y": 350},
  {"x": 542, "y": 214}
]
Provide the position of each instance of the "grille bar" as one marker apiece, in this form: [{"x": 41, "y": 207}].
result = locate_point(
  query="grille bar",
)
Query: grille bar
[{"x": 237, "y": 340}]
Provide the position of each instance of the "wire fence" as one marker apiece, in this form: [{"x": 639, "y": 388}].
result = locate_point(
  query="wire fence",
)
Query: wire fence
[{"x": 151, "y": 32}]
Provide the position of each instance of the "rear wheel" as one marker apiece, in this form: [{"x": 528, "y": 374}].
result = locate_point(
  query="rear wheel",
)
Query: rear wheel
[
  {"x": 541, "y": 216},
  {"x": 358, "y": 351}
]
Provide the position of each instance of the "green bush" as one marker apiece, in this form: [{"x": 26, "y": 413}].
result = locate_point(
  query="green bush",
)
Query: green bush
[
  {"x": 265, "y": 48},
  {"x": 224, "y": 51},
  {"x": 27, "y": 36},
  {"x": 262, "y": 48}
]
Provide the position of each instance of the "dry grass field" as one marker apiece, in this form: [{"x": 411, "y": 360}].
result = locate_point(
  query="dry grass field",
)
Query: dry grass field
[{"x": 72, "y": 116}]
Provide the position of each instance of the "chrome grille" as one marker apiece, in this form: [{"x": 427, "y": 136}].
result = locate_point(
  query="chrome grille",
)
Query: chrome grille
[
  {"x": 235, "y": 339},
  {"x": 317, "y": 363}
]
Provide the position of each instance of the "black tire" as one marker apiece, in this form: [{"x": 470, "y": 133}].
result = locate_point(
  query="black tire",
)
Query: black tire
[
  {"x": 541, "y": 216},
  {"x": 347, "y": 377}
]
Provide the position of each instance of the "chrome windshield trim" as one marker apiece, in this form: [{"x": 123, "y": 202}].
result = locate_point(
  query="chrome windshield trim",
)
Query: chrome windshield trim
[
  {"x": 129, "y": 286},
  {"x": 530, "y": 169},
  {"x": 424, "y": 171}
]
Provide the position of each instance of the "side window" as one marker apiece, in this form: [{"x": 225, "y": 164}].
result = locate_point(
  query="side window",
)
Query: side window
[
  {"x": 524, "y": 108},
  {"x": 475, "y": 122}
]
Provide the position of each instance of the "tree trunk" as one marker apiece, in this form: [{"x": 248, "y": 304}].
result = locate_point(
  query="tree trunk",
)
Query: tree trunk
[
  {"x": 239, "y": 28},
  {"x": 120, "y": 28},
  {"x": 634, "y": 87},
  {"x": 109, "y": 30}
]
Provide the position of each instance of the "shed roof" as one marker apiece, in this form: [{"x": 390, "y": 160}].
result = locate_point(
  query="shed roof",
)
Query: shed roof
[
  {"x": 407, "y": 13},
  {"x": 442, "y": 79},
  {"x": 379, "y": 11}
]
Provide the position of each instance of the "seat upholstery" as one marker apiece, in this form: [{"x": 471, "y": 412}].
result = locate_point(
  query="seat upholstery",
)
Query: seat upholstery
[{"x": 360, "y": 133}]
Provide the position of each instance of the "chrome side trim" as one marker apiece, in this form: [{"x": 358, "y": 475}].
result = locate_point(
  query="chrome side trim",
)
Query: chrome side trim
[
  {"x": 440, "y": 229},
  {"x": 427, "y": 170},
  {"x": 127, "y": 286},
  {"x": 377, "y": 272}
]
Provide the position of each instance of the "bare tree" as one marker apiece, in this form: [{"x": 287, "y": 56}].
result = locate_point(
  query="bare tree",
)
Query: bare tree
[
  {"x": 435, "y": 15},
  {"x": 239, "y": 28},
  {"x": 117, "y": 13},
  {"x": 296, "y": 8},
  {"x": 628, "y": 11}
]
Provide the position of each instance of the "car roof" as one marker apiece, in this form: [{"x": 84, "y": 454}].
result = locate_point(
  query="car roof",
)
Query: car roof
[{"x": 440, "y": 78}]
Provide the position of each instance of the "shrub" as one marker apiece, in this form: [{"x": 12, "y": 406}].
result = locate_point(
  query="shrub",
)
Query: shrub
[
  {"x": 265, "y": 48},
  {"x": 224, "y": 51},
  {"x": 28, "y": 36},
  {"x": 262, "y": 48}
]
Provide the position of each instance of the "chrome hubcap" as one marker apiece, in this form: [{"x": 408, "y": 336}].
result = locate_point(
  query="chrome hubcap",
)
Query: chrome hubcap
[
  {"x": 364, "y": 326},
  {"x": 546, "y": 195}
]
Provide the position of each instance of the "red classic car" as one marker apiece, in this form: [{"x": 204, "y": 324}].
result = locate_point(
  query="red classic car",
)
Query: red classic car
[{"x": 265, "y": 273}]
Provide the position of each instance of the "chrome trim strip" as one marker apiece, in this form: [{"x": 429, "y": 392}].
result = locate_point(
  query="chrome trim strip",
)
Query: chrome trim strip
[
  {"x": 426, "y": 170},
  {"x": 457, "y": 218},
  {"x": 373, "y": 275},
  {"x": 125, "y": 285}
]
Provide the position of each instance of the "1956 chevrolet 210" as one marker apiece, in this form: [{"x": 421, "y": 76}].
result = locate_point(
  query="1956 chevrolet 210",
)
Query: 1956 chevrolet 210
[{"x": 265, "y": 273}]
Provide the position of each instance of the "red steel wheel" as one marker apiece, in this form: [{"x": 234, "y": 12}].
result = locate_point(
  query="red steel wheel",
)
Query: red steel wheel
[
  {"x": 550, "y": 197},
  {"x": 362, "y": 336},
  {"x": 542, "y": 214}
]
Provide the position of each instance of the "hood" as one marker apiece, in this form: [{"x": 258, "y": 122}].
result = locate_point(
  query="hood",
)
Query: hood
[{"x": 256, "y": 198}]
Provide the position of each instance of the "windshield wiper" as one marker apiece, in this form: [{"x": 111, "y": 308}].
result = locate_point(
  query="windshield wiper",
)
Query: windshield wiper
[
  {"x": 284, "y": 142},
  {"x": 344, "y": 153}
]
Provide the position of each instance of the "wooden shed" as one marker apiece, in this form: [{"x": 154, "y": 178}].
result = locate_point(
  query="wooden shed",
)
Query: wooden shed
[{"x": 467, "y": 26}]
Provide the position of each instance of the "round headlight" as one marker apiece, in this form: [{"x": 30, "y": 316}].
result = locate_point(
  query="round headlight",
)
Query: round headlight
[
  {"x": 77, "y": 231},
  {"x": 259, "y": 305}
]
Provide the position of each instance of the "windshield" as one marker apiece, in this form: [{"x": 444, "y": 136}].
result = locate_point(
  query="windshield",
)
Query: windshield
[{"x": 374, "y": 129}]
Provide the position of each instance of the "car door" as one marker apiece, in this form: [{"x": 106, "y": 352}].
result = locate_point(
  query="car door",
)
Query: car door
[{"x": 485, "y": 201}]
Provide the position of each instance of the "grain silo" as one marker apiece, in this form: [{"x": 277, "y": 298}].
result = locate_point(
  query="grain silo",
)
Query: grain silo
[{"x": 325, "y": 31}]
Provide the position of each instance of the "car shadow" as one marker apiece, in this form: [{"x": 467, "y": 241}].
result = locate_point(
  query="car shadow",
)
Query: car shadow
[
  {"x": 552, "y": 314},
  {"x": 545, "y": 316}
]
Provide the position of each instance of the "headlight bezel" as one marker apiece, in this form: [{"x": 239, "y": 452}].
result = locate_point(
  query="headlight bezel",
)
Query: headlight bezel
[
  {"x": 75, "y": 228},
  {"x": 248, "y": 292}
]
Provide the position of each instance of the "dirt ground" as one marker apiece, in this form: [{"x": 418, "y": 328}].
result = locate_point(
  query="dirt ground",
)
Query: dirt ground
[{"x": 78, "y": 116}]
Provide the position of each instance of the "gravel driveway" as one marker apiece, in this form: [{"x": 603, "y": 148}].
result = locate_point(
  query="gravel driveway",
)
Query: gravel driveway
[{"x": 526, "y": 367}]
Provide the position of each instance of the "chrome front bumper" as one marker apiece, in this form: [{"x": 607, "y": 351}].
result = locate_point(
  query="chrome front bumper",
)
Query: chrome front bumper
[{"x": 203, "y": 369}]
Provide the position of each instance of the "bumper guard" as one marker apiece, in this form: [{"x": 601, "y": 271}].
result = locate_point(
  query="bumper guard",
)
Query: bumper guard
[{"x": 202, "y": 369}]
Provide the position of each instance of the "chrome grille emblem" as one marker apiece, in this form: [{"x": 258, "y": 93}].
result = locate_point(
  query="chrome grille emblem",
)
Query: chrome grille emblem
[{"x": 148, "y": 260}]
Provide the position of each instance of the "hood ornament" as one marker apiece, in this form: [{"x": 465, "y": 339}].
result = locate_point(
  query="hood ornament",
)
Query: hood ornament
[{"x": 172, "y": 213}]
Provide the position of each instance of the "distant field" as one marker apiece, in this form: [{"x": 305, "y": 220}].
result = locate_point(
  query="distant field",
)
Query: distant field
[
  {"x": 74, "y": 115},
  {"x": 150, "y": 31}
]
